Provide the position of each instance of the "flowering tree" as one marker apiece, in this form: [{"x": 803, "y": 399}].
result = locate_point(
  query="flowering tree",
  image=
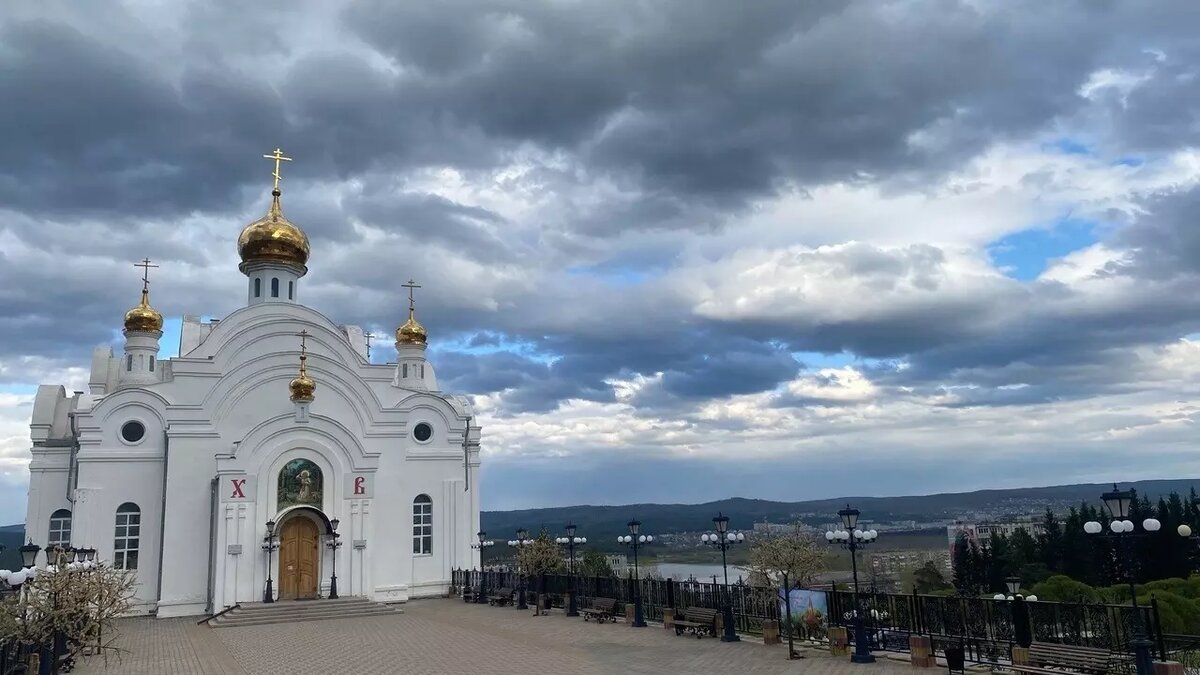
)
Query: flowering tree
[
  {"x": 75, "y": 603},
  {"x": 794, "y": 554},
  {"x": 789, "y": 559},
  {"x": 543, "y": 556}
]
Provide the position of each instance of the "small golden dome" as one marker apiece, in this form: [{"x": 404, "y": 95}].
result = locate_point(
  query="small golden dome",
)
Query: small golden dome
[
  {"x": 302, "y": 387},
  {"x": 273, "y": 238},
  {"x": 411, "y": 333},
  {"x": 143, "y": 318}
]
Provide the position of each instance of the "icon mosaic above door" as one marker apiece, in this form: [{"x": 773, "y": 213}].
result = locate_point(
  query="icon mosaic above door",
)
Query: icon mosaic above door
[{"x": 300, "y": 483}]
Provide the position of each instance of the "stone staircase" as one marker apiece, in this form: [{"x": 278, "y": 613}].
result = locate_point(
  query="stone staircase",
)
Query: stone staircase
[{"x": 291, "y": 611}]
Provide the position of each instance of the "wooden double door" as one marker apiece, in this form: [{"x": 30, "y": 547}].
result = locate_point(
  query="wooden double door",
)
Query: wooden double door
[{"x": 299, "y": 559}]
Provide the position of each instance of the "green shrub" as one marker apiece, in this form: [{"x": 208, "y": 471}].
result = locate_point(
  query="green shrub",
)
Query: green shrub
[{"x": 1061, "y": 588}]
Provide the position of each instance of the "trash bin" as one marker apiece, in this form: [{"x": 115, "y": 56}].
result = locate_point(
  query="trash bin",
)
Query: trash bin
[{"x": 956, "y": 659}]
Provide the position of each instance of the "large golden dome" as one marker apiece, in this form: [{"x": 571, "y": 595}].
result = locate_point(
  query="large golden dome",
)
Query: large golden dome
[
  {"x": 411, "y": 332},
  {"x": 143, "y": 318},
  {"x": 273, "y": 238}
]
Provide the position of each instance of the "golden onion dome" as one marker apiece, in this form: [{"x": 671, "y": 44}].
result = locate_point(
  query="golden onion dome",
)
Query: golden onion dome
[
  {"x": 411, "y": 332},
  {"x": 143, "y": 318},
  {"x": 302, "y": 387},
  {"x": 273, "y": 238}
]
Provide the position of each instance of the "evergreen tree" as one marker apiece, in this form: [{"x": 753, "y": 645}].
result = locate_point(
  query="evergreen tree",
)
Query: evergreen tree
[
  {"x": 1050, "y": 542},
  {"x": 998, "y": 570},
  {"x": 964, "y": 570}
]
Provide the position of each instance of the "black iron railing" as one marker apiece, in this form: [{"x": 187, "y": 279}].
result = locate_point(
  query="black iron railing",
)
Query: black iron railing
[
  {"x": 752, "y": 605},
  {"x": 986, "y": 628}
]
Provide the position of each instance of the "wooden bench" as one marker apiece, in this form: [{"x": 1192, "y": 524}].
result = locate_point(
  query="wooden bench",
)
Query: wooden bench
[
  {"x": 697, "y": 621},
  {"x": 1050, "y": 657},
  {"x": 502, "y": 597},
  {"x": 601, "y": 608}
]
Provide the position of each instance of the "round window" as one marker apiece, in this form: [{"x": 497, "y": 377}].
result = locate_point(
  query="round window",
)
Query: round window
[
  {"x": 422, "y": 432},
  {"x": 133, "y": 431}
]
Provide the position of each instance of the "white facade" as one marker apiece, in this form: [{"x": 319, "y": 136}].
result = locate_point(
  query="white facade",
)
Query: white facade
[{"x": 219, "y": 427}]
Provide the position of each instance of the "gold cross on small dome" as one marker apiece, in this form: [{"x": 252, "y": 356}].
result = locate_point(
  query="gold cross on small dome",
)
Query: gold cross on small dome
[
  {"x": 411, "y": 286},
  {"x": 278, "y": 157},
  {"x": 145, "y": 265}
]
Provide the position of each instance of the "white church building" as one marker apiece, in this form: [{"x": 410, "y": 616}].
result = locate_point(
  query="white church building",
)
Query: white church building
[{"x": 271, "y": 427}]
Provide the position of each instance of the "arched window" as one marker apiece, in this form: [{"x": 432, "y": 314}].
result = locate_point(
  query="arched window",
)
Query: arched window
[
  {"x": 291, "y": 290},
  {"x": 129, "y": 362},
  {"x": 60, "y": 529},
  {"x": 423, "y": 525},
  {"x": 404, "y": 370},
  {"x": 274, "y": 287},
  {"x": 152, "y": 363},
  {"x": 257, "y": 287},
  {"x": 127, "y": 540}
]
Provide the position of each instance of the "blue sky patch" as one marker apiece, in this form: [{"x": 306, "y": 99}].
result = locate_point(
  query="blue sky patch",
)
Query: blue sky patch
[
  {"x": 1068, "y": 146},
  {"x": 1024, "y": 255}
]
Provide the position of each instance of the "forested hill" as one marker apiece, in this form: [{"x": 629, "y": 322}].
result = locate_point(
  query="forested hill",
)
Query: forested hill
[{"x": 606, "y": 522}]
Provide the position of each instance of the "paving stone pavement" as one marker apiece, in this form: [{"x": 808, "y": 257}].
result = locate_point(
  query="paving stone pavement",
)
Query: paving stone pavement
[{"x": 448, "y": 637}]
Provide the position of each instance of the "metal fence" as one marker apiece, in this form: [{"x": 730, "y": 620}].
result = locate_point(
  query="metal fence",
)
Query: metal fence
[
  {"x": 15, "y": 659},
  {"x": 752, "y": 605},
  {"x": 986, "y": 628}
]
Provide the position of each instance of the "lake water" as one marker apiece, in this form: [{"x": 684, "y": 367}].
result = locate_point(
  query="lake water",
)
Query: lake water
[{"x": 682, "y": 571}]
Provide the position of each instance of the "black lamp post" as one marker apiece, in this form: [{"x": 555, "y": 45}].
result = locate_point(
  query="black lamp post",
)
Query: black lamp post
[
  {"x": 851, "y": 538},
  {"x": 1022, "y": 631},
  {"x": 723, "y": 539},
  {"x": 1121, "y": 529},
  {"x": 521, "y": 541},
  {"x": 636, "y": 541},
  {"x": 334, "y": 543},
  {"x": 29, "y": 555},
  {"x": 483, "y": 543},
  {"x": 269, "y": 545},
  {"x": 569, "y": 541}
]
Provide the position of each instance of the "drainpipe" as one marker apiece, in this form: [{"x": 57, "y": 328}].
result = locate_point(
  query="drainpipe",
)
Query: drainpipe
[
  {"x": 212, "y": 545},
  {"x": 73, "y": 465},
  {"x": 162, "y": 513}
]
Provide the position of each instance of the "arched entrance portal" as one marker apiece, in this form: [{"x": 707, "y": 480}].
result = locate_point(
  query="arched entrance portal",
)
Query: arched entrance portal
[{"x": 299, "y": 553}]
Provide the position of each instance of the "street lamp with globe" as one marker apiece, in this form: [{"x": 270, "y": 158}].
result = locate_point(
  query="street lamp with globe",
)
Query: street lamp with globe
[
  {"x": 852, "y": 539},
  {"x": 722, "y": 540},
  {"x": 636, "y": 540},
  {"x": 517, "y": 544},
  {"x": 570, "y": 541},
  {"x": 1122, "y": 530}
]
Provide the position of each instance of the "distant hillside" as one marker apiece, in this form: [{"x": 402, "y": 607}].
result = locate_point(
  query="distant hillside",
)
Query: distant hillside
[
  {"x": 11, "y": 538},
  {"x": 602, "y": 524}
]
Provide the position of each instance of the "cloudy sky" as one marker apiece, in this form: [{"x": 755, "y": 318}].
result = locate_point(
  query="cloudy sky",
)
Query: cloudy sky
[{"x": 675, "y": 250}]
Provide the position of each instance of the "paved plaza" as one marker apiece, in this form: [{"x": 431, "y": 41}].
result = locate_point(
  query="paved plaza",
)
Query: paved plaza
[{"x": 445, "y": 637}]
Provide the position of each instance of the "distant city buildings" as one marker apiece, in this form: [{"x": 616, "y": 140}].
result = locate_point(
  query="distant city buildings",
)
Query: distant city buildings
[
  {"x": 980, "y": 534},
  {"x": 782, "y": 528}
]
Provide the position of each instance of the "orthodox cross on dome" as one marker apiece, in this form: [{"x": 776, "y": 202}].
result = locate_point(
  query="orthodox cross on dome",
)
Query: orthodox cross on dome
[
  {"x": 411, "y": 286},
  {"x": 145, "y": 265},
  {"x": 303, "y": 348},
  {"x": 369, "y": 336},
  {"x": 278, "y": 157}
]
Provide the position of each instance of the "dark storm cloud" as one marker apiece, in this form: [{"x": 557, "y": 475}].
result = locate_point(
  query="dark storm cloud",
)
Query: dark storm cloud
[
  {"x": 694, "y": 108},
  {"x": 94, "y": 129},
  {"x": 740, "y": 367},
  {"x": 1166, "y": 239},
  {"x": 722, "y": 101}
]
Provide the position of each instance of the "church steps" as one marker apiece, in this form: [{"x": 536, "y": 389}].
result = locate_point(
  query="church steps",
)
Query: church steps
[{"x": 290, "y": 611}]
